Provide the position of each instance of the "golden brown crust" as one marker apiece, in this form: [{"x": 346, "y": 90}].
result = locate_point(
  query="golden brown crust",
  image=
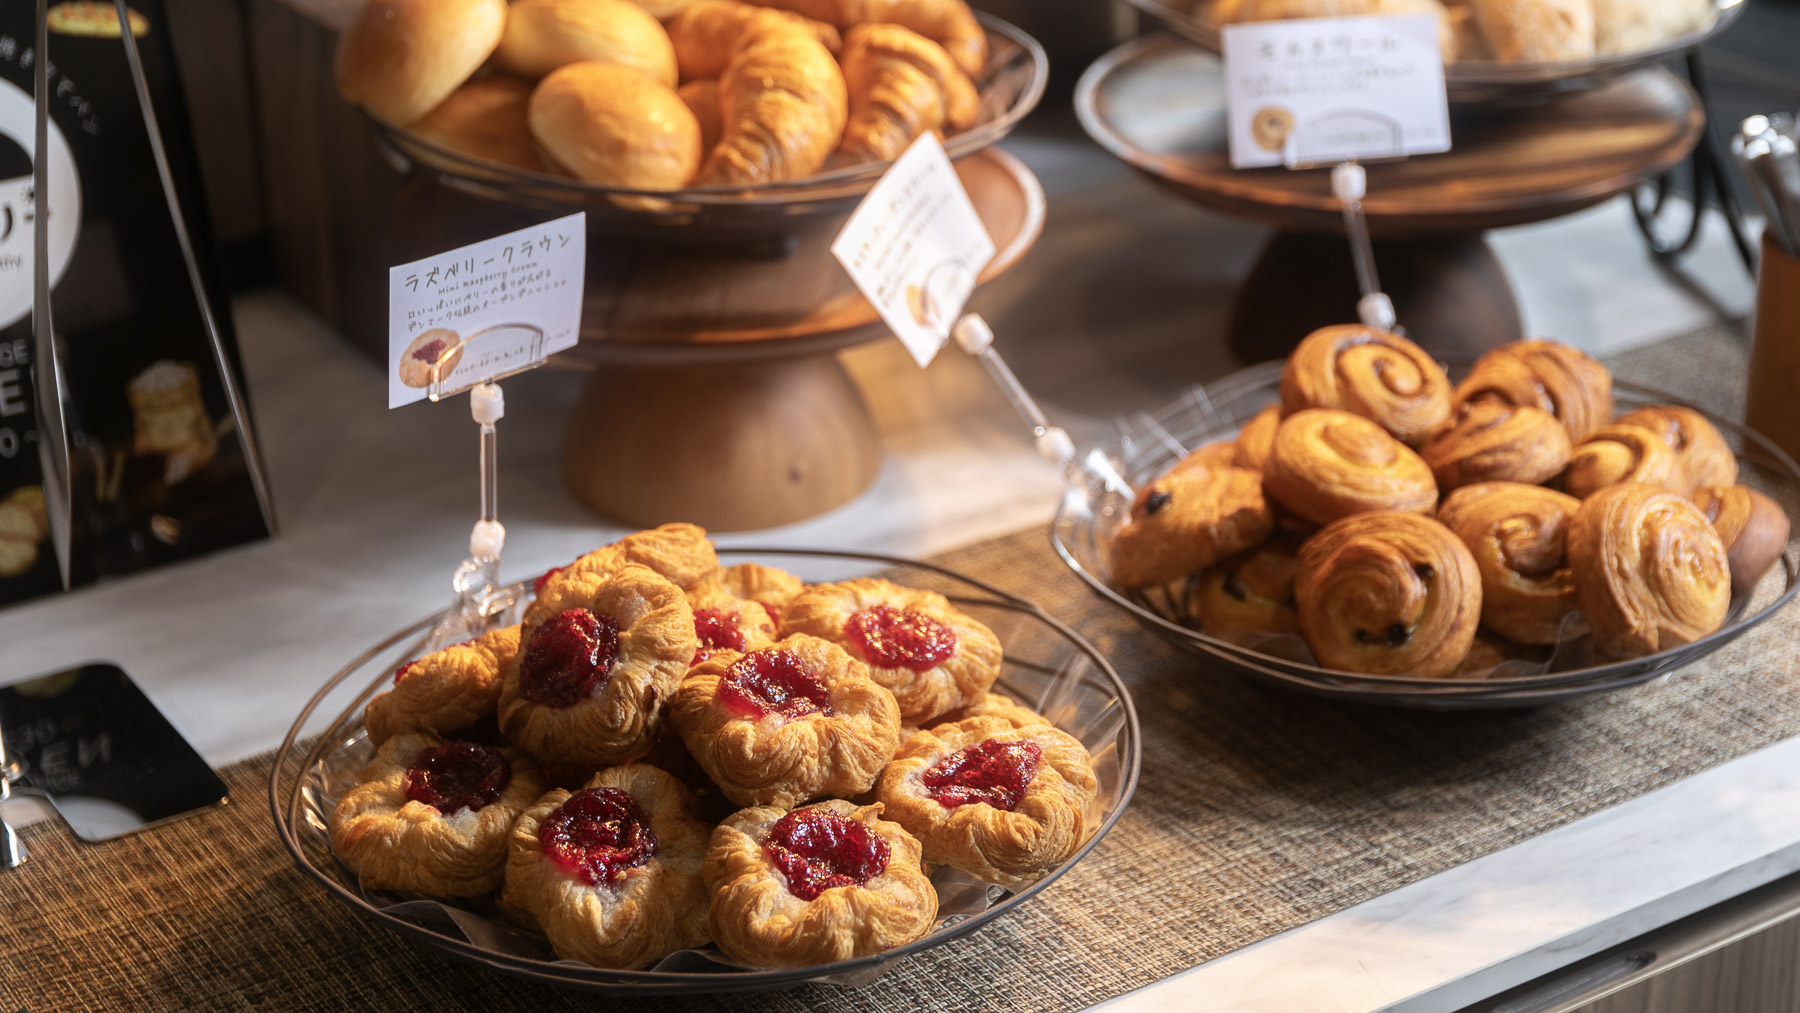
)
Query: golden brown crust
[
  {"x": 771, "y": 759},
  {"x": 1518, "y": 536},
  {"x": 702, "y": 99},
  {"x": 656, "y": 643},
  {"x": 782, "y": 107},
  {"x": 393, "y": 843},
  {"x": 720, "y": 616},
  {"x": 486, "y": 119},
  {"x": 1002, "y": 846},
  {"x": 1388, "y": 593},
  {"x": 649, "y": 912},
  {"x": 611, "y": 125},
  {"x": 768, "y": 586},
  {"x": 1537, "y": 31},
  {"x": 900, "y": 85},
  {"x": 1380, "y": 376},
  {"x": 445, "y": 691},
  {"x": 992, "y": 705},
  {"x": 823, "y": 610},
  {"x": 759, "y": 923},
  {"x": 1752, "y": 526},
  {"x": 1650, "y": 571},
  {"x": 1186, "y": 521},
  {"x": 949, "y": 23},
  {"x": 1700, "y": 449},
  {"x": 708, "y": 33},
  {"x": 1613, "y": 454},
  {"x": 1564, "y": 381},
  {"x": 681, "y": 553},
  {"x": 1217, "y": 454},
  {"x": 1489, "y": 651},
  {"x": 1328, "y": 464},
  {"x": 1251, "y": 592},
  {"x": 1257, "y": 439},
  {"x": 542, "y": 35},
  {"x": 400, "y": 58},
  {"x": 1492, "y": 441}
]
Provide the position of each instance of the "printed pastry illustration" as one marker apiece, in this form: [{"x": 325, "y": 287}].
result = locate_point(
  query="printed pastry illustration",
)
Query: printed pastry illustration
[
  {"x": 427, "y": 348},
  {"x": 169, "y": 418}
]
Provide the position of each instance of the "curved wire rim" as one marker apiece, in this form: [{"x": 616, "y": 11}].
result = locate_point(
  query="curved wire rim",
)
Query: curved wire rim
[
  {"x": 843, "y": 182},
  {"x": 1494, "y": 73},
  {"x": 684, "y": 981},
  {"x": 1365, "y": 686}
]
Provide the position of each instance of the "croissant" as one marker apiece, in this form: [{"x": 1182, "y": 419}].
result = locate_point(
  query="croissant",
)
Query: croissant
[
  {"x": 1375, "y": 374},
  {"x": 949, "y": 23},
  {"x": 781, "y": 108},
  {"x": 1328, "y": 464},
  {"x": 1753, "y": 527},
  {"x": 1701, "y": 450},
  {"x": 1492, "y": 441},
  {"x": 1518, "y": 536},
  {"x": 1615, "y": 453},
  {"x": 1563, "y": 381},
  {"x": 1251, "y": 592},
  {"x": 901, "y": 85},
  {"x": 1257, "y": 439},
  {"x": 1388, "y": 593},
  {"x": 708, "y": 33},
  {"x": 1187, "y": 521},
  {"x": 1650, "y": 571}
]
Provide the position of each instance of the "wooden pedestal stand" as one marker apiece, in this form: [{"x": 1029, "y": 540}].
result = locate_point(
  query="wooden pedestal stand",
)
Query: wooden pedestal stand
[
  {"x": 1159, "y": 104},
  {"x": 717, "y": 396}
]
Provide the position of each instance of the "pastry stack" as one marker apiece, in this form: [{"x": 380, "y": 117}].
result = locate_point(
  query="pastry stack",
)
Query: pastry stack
[
  {"x": 665, "y": 94},
  {"x": 667, "y": 752},
  {"x": 1405, "y": 526}
]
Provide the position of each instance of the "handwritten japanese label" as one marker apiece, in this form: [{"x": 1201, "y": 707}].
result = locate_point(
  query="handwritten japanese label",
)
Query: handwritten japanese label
[
  {"x": 1315, "y": 90},
  {"x": 485, "y": 310},
  {"x": 915, "y": 246}
]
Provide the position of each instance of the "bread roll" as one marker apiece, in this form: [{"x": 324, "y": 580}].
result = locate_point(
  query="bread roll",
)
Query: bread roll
[
  {"x": 486, "y": 119},
  {"x": 1626, "y": 26},
  {"x": 606, "y": 124},
  {"x": 542, "y": 35},
  {"x": 1537, "y": 31},
  {"x": 702, "y": 98},
  {"x": 400, "y": 58}
]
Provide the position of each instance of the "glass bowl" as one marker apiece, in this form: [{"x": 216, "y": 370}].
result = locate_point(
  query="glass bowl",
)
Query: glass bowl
[
  {"x": 1477, "y": 81},
  {"x": 1009, "y": 86},
  {"x": 1149, "y": 443},
  {"x": 1046, "y": 666}
]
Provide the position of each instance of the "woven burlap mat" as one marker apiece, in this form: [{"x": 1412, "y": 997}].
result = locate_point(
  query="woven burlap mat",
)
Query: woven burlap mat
[{"x": 1257, "y": 811}]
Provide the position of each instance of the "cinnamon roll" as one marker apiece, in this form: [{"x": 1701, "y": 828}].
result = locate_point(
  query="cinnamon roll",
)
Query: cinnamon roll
[
  {"x": 1554, "y": 377},
  {"x": 1251, "y": 592},
  {"x": 1752, "y": 526},
  {"x": 1492, "y": 441},
  {"x": 1614, "y": 454},
  {"x": 1257, "y": 439},
  {"x": 1650, "y": 571},
  {"x": 1518, "y": 535},
  {"x": 1700, "y": 449},
  {"x": 1217, "y": 454},
  {"x": 1375, "y": 374},
  {"x": 1388, "y": 593},
  {"x": 1187, "y": 521},
  {"x": 1329, "y": 464}
]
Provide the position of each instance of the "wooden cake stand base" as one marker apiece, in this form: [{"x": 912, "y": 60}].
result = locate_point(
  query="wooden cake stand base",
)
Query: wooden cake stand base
[{"x": 717, "y": 396}]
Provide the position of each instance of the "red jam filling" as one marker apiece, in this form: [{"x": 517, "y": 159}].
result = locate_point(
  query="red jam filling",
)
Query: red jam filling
[
  {"x": 817, "y": 850},
  {"x": 889, "y": 638},
  {"x": 717, "y": 630},
  {"x": 597, "y": 835},
  {"x": 400, "y": 673},
  {"x": 991, "y": 772},
  {"x": 457, "y": 775},
  {"x": 773, "y": 681},
  {"x": 430, "y": 350},
  {"x": 774, "y": 612},
  {"x": 537, "y": 586},
  {"x": 569, "y": 658}
]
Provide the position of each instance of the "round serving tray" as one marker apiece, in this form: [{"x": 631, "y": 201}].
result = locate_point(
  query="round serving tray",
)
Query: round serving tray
[
  {"x": 1472, "y": 81},
  {"x": 1010, "y": 87},
  {"x": 1046, "y": 665},
  {"x": 1150, "y": 442}
]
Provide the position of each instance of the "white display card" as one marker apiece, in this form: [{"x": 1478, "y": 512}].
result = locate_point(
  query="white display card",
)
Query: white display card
[
  {"x": 1318, "y": 90},
  {"x": 915, "y": 246},
  {"x": 486, "y": 310}
]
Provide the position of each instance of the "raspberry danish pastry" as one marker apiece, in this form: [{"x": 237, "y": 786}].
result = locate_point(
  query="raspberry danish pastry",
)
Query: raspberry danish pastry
[
  {"x": 765, "y": 585},
  {"x": 430, "y": 816},
  {"x": 680, "y": 553},
  {"x": 788, "y": 723},
  {"x": 592, "y": 674},
  {"x": 611, "y": 873},
  {"x": 829, "y": 882},
  {"x": 999, "y": 801},
  {"x": 725, "y": 622},
  {"x": 931, "y": 656},
  {"x": 446, "y": 691}
]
